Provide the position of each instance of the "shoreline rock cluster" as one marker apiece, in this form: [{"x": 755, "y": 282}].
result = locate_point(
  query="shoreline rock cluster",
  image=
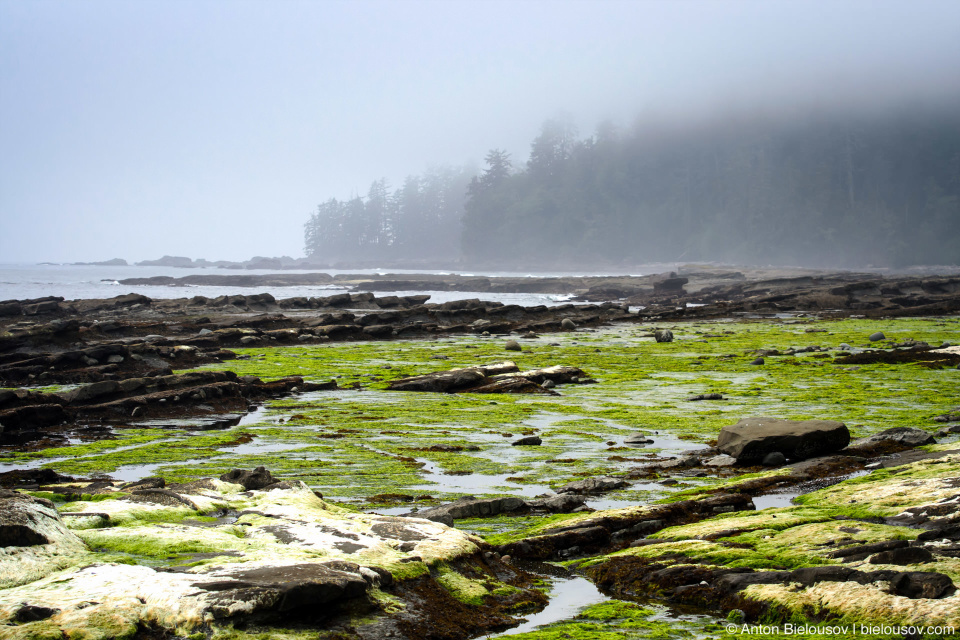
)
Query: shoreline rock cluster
[{"x": 721, "y": 292}]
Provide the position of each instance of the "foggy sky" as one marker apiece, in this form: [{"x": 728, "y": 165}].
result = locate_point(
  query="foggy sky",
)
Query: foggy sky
[{"x": 212, "y": 129}]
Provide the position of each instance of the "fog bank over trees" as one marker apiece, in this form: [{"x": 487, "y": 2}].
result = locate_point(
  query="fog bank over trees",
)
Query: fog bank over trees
[{"x": 829, "y": 188}]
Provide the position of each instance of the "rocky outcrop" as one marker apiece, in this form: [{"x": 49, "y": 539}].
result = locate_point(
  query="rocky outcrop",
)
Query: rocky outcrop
[
  {"x": 29, "y": 415},
  {"x": 873, "y": 567},
  {"x": 751, "y": 439},
  {"x": 503, "y": 377},
  {"x": 607, "y": 530},
  {"x": 284, "y": 553}
]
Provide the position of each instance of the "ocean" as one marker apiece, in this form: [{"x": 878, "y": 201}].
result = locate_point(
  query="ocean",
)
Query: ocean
[{"x": 26, "y": 281}]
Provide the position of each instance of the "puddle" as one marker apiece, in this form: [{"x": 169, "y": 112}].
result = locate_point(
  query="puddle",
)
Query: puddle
[
  {"x": 568, "y": 597},
  {"x": 251, "y": 448},
  {"x": 134, "y": 472},
  {"x": 781, "y": 499},
  {"x": 474, "y": 483},
  {"x": 130, "y": 473},
  {"x": 201, "y": 423},
  {"x": 775, "y": 500}
]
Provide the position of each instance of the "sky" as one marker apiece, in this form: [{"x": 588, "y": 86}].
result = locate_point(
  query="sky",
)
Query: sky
[{"x": 213, "y": 128}]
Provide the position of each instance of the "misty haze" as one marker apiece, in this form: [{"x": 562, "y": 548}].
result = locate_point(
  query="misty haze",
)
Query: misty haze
[
  {"x": 625, "y": 133},
  {"x": 463, "y": 319}
]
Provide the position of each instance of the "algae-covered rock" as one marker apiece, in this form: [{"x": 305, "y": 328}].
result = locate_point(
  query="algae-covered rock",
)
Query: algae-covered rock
[
  {"x": 34, "y": 541},
  {"x": 283, "y": 550},
  {"x": 751, "y": 439},
  {"x": 843, "y": 551}
]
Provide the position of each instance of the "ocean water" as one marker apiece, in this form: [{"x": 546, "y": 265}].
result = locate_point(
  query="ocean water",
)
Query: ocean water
[{"x": 26, "y": 281}]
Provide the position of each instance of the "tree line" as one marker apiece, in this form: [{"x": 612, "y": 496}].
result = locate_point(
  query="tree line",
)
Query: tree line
[
  {"x": 422, "y": 218},
  {"x": 822, "y": 189}
]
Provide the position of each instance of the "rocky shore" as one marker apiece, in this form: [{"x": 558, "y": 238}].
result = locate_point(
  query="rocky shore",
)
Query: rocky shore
[{"x": 789, "y": 450}]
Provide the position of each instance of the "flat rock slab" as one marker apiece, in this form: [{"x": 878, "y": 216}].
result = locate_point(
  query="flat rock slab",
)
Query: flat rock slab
[{"x": 751, "y": 439}]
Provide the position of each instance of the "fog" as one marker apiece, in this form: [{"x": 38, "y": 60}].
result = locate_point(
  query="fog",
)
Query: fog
[{"x": 215, "y": 129}]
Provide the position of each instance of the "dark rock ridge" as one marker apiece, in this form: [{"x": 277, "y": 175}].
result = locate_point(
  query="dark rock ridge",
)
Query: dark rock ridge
[
  {"x": 607, "y": 531},
  {"x": 722, "y": 291},
  {"x": 122, "y": 351}
]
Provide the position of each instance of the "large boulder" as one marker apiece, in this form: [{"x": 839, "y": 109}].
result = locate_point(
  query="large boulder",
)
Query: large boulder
[{"x": 751, "y": 439}]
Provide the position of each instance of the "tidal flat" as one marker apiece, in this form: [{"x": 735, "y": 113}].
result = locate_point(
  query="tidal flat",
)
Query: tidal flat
[
  {"x": 362, "y": 441},
  {"x": 368, "y": 449}
]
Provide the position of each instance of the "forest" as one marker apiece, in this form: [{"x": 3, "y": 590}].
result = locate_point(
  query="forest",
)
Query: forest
[{"x": 821, "y": 189}]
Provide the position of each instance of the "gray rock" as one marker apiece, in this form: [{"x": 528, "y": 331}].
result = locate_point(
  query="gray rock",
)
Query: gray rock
[
  {"x": 548, "y": 384},
  {"x": 877, "y": 336},
  {"x": 512, "y": 345},
  {"x": 722, "y": 460},
  {"x": 205, "y": 332},
  {"x": 676, "y": 463},
  {"x": 774, "y": 459},
  {"x": 470, "y": 507},
  {"x": 593, "y": 485},
  {"x": 115, "y": 359},
  {"x": 558, "y": 504},
  {"x": 895, "y": 439},
  {"x": 663, "y": 335},
  {"x": 751, "y": 439}
]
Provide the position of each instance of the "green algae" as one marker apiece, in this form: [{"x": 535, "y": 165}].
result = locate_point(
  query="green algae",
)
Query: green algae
[
  {"x": 620, "y": 620},
  {"x": 353, "y": 444}
]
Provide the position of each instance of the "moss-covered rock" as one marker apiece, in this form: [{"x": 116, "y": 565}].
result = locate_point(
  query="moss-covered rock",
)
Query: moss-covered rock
[{"x": 233, "y": 555}]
